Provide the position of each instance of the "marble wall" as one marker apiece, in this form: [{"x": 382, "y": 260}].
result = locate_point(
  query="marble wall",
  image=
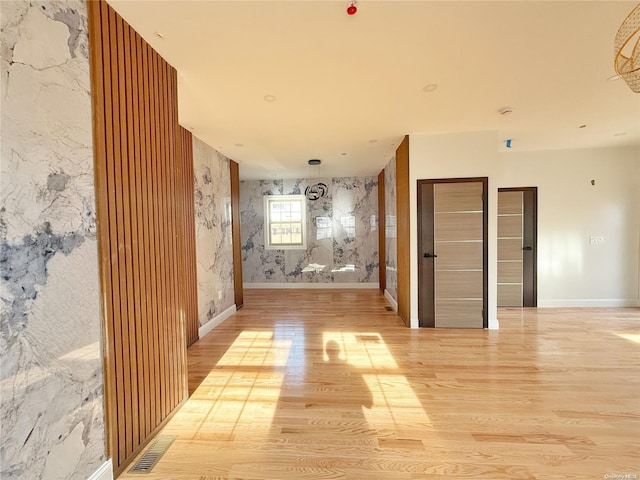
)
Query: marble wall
[
  {"x": 51, "y": 407},
  {"x": 391, "y": 254},
  {"x": 214, "y": 254},
  {"x": 341, "y": 233}
]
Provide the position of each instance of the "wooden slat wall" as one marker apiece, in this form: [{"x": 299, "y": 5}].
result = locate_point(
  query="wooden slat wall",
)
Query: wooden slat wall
[
  {"x": 403, "y": 223},
  {"x": 188, "y": 225},
  {"x": 235, "y": 234},
  {"x": 139, "y": 216}
]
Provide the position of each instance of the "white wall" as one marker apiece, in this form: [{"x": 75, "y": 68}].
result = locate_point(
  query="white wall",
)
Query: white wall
[
  {"x": 453, "y": 156},
  {"x": 571, "y": 271}
]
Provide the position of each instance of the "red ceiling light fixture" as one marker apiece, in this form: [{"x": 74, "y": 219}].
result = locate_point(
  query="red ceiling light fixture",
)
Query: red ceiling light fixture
[{"x": 352, "y": 9}]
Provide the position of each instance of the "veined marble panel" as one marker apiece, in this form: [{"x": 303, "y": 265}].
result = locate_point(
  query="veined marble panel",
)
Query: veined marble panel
[
  {"x": 258, "y": 264},
  {"x": 51, "y": 388},
  {"x": 355, "y": 221},
  {"x": 391, "y": 244},
  {"x": 214, "y": 254},
  {"x": 346, "y": 248}
]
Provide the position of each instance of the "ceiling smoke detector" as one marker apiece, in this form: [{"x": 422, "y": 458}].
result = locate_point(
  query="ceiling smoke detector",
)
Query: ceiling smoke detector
[{"x": 314, "y": 161}]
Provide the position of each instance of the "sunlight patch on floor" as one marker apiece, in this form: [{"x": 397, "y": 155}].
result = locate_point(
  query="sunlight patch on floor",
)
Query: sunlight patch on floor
[
  {"x": 241, "y": 393},
  {"x": 634, "y": 337},
  {"x": 393, "y": 398}
]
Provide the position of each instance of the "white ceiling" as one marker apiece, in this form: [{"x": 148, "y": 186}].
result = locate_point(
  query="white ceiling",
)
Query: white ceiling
[{"x": 355, "y": 85}]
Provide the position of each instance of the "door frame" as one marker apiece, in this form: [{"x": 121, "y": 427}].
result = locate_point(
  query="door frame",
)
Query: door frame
[
  {"x": 426, "y": 285},
  {"x": 529, "y": 230}
]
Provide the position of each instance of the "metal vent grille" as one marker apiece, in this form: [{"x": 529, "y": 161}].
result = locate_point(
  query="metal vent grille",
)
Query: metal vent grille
[{"x": 154, "y": 453}]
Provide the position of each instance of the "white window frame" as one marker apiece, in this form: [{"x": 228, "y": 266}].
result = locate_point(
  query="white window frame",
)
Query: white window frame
[{"x": 267, "y": 221}]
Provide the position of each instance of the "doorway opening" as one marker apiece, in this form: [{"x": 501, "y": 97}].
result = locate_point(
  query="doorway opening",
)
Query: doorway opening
[{"x": 517, "y": 247}]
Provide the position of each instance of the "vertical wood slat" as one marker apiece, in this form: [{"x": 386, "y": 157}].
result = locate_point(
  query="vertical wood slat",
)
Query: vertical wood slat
[
  {"x": 143, "y": 223},
  {"x": 164, "y": 275},
  {"x": 382, "y": 243},
  {"x": 139, "y": 259},
  {"x": 155, "y": 201},
  {"x": 143, "y": 229},
  {"x": 161, "y": 259},
  {"x": 100, "y": 94},
  {"x": 189, "y": 248},
  {"x": 119, "y": 274},
  {"x": 150, "y": 227},
  {"x": 403, "y": 224},
  {"x": 235, "y": 234},
  {"x": 127, "y": 166}
]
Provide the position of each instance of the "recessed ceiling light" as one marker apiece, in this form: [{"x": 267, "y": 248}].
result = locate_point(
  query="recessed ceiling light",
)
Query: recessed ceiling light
[
  {"x": 239, "y": 145},
  {"x": 270, "y": 98},
  {"x": 373, "y": 140},
  {"x": 505, "y": 111},
  {"x": 620, "y": 134},
  {"x": 343, "y": 153},
  {"x": 158, "y": 34},
  {"x": 582, "y": 126},
  {"x": 430, "y": 88},
  {"x": 314, "y": 161}
]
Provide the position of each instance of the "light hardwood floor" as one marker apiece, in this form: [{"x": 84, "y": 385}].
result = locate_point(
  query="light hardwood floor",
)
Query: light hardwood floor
[{"x": 329, "y": 385}]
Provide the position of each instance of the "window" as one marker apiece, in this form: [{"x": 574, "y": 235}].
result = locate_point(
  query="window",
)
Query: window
[{"x": 285, "y": 221}]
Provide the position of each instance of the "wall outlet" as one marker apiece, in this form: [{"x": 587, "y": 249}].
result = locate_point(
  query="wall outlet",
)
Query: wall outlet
[
  {"x": 596, "y": 240},
  {"x": 219, "y": 294}
]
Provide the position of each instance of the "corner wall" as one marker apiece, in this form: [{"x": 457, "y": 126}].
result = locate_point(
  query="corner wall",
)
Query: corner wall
[
  {"x": 454, "y": 156},
  {"x": 51, "y": 387},
  {"x": 214, "y": 252},
  {"x": 571, "y": 270},
  {"x": 391, "y": 243}
]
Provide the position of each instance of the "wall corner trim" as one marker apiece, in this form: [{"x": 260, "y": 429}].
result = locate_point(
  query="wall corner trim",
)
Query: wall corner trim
[
  {"x": 494, "y": 324},
  {"x": 391, "y": 300},
  {"x": 105, "y": 472},
  {"x": 215, "y": 321}
]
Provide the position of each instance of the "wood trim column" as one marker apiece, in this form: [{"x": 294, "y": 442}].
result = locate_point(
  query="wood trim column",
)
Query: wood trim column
[
  {"x": 188, "y": 225},
  {"x": 235, "y": 234},
  {"x": 403, "y": 225}
]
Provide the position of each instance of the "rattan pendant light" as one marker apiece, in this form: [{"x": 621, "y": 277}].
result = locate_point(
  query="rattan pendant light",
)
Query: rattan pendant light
[{"x": 627, "y": 50}]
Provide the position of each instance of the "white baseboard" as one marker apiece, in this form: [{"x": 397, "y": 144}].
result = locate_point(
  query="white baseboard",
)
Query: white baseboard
[
  {"x": 335, "y": 286},
  {"x": 215, "y": 321},
  {"x": 391, "y": 300},
  {"x": 593, "y": 303},
  {"x": 105, "y": 472}
]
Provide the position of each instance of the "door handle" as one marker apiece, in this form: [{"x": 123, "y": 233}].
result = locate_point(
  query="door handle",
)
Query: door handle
[
  {"x": 429, "y": 255},
  {"x": 527, "y": 248}
]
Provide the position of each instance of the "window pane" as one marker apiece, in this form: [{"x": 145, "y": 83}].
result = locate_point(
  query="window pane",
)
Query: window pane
[
  {"x": 286, "y": 221},
  {"x": 276, "y": 237}
]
